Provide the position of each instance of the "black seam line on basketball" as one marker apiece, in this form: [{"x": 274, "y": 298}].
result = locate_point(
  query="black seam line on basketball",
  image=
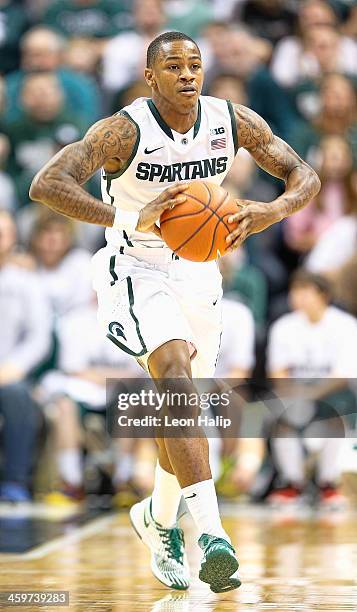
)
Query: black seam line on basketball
[
  {"x": 112, "y": 270},
  {"x": 120, "y": 172},
  {"x": 137, "y": 325},
  {"x": 213, "y": 213},
  {"x": 205, "y": 206},
  {"x": 204, "y": 223},
  {"x": 216, "y": 228}
]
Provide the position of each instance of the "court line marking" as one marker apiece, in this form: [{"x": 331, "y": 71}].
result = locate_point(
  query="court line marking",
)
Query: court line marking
[{"x": 79, "y": 534}]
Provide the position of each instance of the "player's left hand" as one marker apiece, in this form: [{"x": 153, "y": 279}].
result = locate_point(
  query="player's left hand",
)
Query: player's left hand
[{"x": 252, "y": 218}]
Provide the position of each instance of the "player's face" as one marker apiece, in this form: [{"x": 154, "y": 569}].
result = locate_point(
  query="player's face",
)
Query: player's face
[{"x": 177, "y": 75}]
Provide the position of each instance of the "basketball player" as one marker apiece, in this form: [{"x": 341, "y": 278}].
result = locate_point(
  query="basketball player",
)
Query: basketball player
[{"x": 162, "y": 310}]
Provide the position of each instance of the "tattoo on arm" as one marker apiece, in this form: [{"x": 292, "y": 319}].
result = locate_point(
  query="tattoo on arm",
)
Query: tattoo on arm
[
  {"x": 277, "y": 158},
  {"x": 58, "y": 184}
]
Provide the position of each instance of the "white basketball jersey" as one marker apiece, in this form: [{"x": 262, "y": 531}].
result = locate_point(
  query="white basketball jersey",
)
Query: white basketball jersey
[{"x": 163, "y": 157}]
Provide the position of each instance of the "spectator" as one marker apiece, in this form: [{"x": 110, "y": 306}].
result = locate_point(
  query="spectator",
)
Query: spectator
[
  {"x": 42, "y": 50},
  {"x": 336, "y": 198},
  {"x": 188, "y": 16},
  {"x": 319, "y": 48},
  {"x": 246, "y": 283},
  {"x": 13, "y": 23},
  {"x": 271, "y": 19},
  {"x": 88, "y": 18},
  {"x": 337, "y": 116},
  {"x": 24, "y": 342},
  {"x": 86, "y": 360},
  {"x": 64, "y": 269},
  {"x": 236, "y": 360},
  {"x": 34, "y": 136},
  {"x": 82, "y": 56},
  {"x": 315, "y": 341},
  {"x": 240, "y": 56},
  {"x": 124, "y": 58},
  {"x": 7, "y": 188}
]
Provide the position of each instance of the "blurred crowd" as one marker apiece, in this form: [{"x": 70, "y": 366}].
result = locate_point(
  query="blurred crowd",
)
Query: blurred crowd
[{"x": 290, "y": 302}]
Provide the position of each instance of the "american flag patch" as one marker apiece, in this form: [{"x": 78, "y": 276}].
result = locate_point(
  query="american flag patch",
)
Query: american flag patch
[{"x": 218, "y": 143}]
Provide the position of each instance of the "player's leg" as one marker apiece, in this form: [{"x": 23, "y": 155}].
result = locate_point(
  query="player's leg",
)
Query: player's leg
[{"x": 170, "y": 366}]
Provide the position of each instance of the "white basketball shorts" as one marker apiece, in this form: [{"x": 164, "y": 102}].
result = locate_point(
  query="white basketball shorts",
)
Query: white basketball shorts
[{"x": 147, "y": 297}]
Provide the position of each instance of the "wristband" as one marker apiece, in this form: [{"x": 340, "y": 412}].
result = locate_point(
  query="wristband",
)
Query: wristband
[{"x": 125, "y": 220}]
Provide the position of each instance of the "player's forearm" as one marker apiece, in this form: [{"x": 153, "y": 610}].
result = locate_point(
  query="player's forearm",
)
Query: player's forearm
[
  {"x": 64, "y": 195},
  {"x": 302, "y": 185}
]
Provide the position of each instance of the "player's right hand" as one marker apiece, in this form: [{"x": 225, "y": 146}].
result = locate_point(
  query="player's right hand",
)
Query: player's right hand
[{"x": 153, "y": 210}]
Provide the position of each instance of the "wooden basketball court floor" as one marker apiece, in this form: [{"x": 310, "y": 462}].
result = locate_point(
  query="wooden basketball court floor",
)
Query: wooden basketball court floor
[{"x": 289, "y": 563}]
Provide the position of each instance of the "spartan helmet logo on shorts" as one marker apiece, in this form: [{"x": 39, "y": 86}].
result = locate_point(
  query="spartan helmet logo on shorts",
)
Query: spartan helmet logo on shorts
[{"x": 117, "y": 329}]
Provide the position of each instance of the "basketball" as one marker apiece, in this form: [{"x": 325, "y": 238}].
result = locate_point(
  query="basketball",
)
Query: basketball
[{"x": 197, "y": 229}]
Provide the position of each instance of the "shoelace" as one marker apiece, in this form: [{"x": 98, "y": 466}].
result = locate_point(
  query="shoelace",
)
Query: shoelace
[
  {"x": 173, "y": 542},
  {"x": 208, "y": 542}
]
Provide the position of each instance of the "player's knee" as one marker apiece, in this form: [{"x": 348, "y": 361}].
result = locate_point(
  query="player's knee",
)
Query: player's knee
[{"x": 170, "y": 361}]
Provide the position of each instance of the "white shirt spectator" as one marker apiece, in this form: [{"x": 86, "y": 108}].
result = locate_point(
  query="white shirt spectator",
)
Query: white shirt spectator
[
  {"x": 291, "y": 63},
  {"x": 237, "y": 342},
  {"x": 324, "y": 349},
  {"x": 82, "y": 345},
  {"x": 24, "y": 318},
  {"x": 335, "y": 247},
  {"x": 124, "y": 59},
  {"x": 68, "y": 285}
]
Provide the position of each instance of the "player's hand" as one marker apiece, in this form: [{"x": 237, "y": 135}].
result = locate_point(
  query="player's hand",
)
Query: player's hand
[
  {"x": 152, "y": 211},
  {"x": 252, "y": 218}
]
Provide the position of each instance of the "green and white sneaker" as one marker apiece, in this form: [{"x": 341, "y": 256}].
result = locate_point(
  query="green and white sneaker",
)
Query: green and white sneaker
[
  {"x": 167, "y": 546},
  {"x": 219, "y": 564}
]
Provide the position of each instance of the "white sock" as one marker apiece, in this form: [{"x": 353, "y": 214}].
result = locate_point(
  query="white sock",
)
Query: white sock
[
  {"x": 165, "y": 498},
  {"x": 124, "y": 468},
  {"x": 201, "y": 500},
  {"x": 289, "y": 456},
  {"x": 69, "y": 463}
]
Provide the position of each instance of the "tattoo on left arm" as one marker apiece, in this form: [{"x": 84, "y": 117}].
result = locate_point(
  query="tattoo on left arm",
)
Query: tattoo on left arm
[{"x": 277, "y": 158}]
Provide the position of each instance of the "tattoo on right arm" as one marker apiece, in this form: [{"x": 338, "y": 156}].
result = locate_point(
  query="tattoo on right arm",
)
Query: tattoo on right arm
[{"x": 58, "y": 184}]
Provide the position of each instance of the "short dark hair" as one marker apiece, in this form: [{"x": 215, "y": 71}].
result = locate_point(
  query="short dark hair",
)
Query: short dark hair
[
  {"x": 154, "y": 47},
  {"x": 303, "y": 278}
]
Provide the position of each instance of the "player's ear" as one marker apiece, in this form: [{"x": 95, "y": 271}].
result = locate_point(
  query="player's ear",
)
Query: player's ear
[{"x": 149, "y": 77}]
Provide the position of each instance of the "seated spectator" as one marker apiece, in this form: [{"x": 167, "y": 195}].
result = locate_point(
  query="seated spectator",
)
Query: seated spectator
[
  {"x": 81, "y": 56},
  {"x": 337, "y": 116},
  {"x": 42, "y": 50},
  {"x": 337, "y": 197},
  {"x": 314, "y": 341},
  {"x": 8, "y": 198},
  {"x": 246, "y": 283},
  {"x": 124, "y": 57},
  {"x": 271, "y": 19},
  {"x": 236, "y": 360},
  {"x": 24, "y": 342},
  {"x": 88, "y": 18},
  {"x": 289, "y": 64},
  {"x": 240, "y": 56},
  {"x": 14, "y": 22},
  {"x": 86, "y": 359},
  {"x": 63, "y": 269},
  {"x": 136, "y": 89},
  {"x": 34, "y": 135},
  {"x": 188, "y": 16},
  {"x": 319, "y": 49}
]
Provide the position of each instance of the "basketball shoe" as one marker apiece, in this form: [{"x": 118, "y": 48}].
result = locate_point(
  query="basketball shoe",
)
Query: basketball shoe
[
  {"x": 167, "y": 546},
  {"x": 219, "y": 564}
]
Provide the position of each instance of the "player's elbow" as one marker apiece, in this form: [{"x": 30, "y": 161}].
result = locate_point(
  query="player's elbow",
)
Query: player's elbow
[
  {"x": 37, "y": 188},
  {"x": 315, "y": 182}
]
